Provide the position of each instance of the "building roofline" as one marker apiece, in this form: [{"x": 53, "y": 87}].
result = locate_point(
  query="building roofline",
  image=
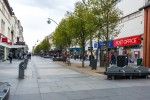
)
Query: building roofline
[
  {"x": 8, "y": 7},
  {"x": 146, "y": 6},
  {"x": 130, "y": 14}
]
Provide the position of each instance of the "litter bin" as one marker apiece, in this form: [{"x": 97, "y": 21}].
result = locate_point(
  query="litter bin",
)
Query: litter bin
[
  {"x": 94, "y": 64},
  {"x": 21, "y": 70},
  {"x": 122, "y": 60},
  {"x": 139, "y": 61}
]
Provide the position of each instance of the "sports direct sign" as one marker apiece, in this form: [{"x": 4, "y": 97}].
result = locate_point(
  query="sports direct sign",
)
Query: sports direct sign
[{"x": 134, "y": 40}]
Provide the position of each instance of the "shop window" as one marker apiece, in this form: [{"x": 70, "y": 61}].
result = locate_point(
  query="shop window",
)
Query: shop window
[{"x": 126, "y": 52}]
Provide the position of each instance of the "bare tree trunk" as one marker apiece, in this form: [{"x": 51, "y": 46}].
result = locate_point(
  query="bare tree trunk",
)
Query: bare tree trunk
[
  {"x": 91, "y": 49},
  {"x": 98, "y": 49},
  {"x": 107, "y": 44},
  {"x": 83, "y": 51},
  {"x": 82, "y": 59}
]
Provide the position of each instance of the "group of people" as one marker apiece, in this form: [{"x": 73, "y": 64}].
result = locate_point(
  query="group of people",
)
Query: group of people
[
  {"x": 10, "y": 56},
  {"x": 20, "y": 56},
  {"x": 80, "y": 57}
]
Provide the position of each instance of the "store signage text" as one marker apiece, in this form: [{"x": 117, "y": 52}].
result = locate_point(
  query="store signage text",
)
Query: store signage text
[
  {"x": 10, "y": 43},
  {"x": 4, "y": 40},
  {"x": 134, "y": 40}
]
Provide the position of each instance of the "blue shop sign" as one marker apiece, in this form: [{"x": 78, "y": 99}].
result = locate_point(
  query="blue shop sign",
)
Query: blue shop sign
[{"x": 111, "y": 44}]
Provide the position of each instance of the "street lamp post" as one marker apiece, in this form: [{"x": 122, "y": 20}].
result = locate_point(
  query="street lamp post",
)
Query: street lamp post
[
  {"x": 49, "y": 21},
  {"x": 91, "y": 47}
]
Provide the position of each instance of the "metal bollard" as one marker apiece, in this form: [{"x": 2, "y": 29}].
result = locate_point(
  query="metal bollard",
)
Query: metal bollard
[
  {"x": 25, "y": 62},
  {"x": 21, "y": 70}
]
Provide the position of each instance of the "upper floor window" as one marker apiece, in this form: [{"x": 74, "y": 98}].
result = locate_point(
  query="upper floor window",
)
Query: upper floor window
[
  {"x": 2, "y": 26},
  {"x": 9, "y": 32}
]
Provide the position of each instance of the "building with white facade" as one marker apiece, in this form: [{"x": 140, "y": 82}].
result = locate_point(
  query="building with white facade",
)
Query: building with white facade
[
  {"x": 49, "y": 37},
  {"x": 130, "y": 39},
  {"x": 10, "y": 29}
]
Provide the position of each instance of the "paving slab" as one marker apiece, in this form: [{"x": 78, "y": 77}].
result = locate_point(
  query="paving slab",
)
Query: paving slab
[
  {"x": 54, "y": 96},
  {"x": 27, "y": 91},
  {"x": 27, "y": 97}
]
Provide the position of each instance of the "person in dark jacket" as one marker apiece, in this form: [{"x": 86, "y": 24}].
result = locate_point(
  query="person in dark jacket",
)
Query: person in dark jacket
[
  {"x": 90, "y": 59},
  {"x": 10, "y": 56},
  {"x": 113, "y": 59}
]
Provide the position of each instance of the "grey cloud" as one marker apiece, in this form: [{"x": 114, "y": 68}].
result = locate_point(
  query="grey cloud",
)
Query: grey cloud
[
  {"x": 33, "y": 15},
  {"x": 49, "y": 4}
]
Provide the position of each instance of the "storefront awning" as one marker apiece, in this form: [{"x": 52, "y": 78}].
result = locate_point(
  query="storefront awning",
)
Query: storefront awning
[
  {"x": 77, "y": 49},
  {"x": 19, "y": 46}
]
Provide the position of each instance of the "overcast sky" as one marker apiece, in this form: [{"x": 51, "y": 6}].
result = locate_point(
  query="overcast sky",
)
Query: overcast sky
[{"x": 33, "y": 15}]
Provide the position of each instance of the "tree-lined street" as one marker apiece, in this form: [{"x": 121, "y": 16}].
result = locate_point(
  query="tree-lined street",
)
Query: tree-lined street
[
  {"x": 86, "y": 50},
  {"x": 47, "y": 80}
]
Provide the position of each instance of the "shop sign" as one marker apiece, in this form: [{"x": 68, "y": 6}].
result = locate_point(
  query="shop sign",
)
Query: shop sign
[
  {"x": 103, "y": 44},
  {"x": 134, "y": 40},
  {"x": 4, "y": 40},
  {"x": 10, "y": 43}
]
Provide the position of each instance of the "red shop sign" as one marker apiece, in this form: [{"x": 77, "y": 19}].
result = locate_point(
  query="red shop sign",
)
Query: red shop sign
[
  {"x": 4, "y": 40},
  {"x": 134, "y": 40},
  {"x": 10, "y": 43}
]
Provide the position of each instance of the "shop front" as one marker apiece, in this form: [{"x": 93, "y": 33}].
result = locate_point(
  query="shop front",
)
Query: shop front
[
  {"x": 75, "y": 52},
  {"x": 1, "y": 53},
  {"x": 130, "y": 46},
  {"x": 5, "y": 45},
  {"x": 19, "y": 49}
]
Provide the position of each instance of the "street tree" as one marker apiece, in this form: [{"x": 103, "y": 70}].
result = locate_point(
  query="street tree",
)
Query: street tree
[
  {"x": 58, "y": 40},
  {"x": 62, "y": 36},
  {"x": 107, "y": 15},
  {"x": 80, "y": 24},
  {"x": 45, "y": 45},
  {"x": 37, "y": 49}
]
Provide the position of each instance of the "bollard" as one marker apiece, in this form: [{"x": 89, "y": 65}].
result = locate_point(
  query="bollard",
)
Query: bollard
[
  {"x": 25, "y": 62},
  {"x": 21, "y": 70}
]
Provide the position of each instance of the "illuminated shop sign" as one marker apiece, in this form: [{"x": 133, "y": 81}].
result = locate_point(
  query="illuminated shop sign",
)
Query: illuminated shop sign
[{"x": 134, "y": 40}]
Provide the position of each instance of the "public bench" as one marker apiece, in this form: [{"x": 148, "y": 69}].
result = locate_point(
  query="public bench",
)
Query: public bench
[
  {"x": 127, "y": 72},
  {"x": 4, "y": 90}
]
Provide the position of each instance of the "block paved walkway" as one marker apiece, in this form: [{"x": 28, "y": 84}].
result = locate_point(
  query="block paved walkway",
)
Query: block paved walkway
[
  {"x": 48, "y": 80},
  {"x": 77, "y": 65}
]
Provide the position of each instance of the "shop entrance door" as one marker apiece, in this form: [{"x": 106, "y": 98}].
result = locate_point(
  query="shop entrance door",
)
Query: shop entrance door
[{"x": 1, "y": 53}]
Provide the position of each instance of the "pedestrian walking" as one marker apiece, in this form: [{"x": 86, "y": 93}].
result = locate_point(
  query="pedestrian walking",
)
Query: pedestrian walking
[
  {"x": 113, "y": 59},
  {"x": 18, "y": 56},
  {"x": 10, "y": 56},
  {"x": 29, "y": 56},
  {"x": 80, "y": 56},
  {"x": 91, "y": 57}
]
